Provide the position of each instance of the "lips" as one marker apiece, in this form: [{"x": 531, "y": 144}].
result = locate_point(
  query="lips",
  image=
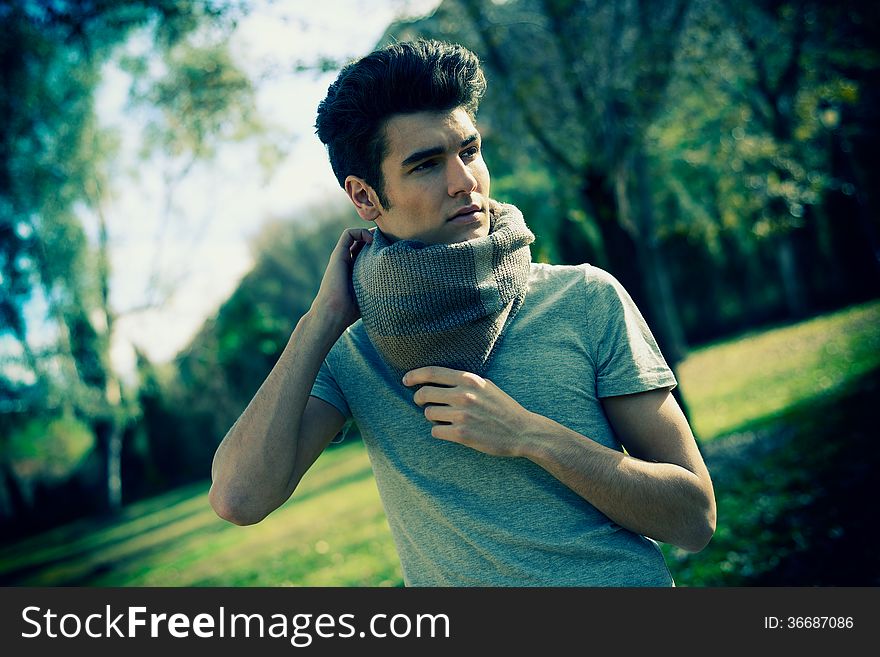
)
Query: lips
[{"x": 464, "y": 212}]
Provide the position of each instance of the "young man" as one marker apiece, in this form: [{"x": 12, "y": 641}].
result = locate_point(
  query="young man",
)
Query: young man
[{"x": 495, "y": 395}]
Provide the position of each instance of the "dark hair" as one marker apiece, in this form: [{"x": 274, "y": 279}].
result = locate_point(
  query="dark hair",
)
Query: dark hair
[{"x": 405, "y": 77}]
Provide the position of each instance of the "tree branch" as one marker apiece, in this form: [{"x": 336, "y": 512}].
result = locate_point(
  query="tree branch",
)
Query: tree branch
[{"x": 499, "y": 64}]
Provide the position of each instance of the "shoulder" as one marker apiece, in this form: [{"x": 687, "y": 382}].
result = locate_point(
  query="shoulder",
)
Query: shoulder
[
  {"x": 353, "y": 340},
  {"x": 585, "y": 278},
  {"x": 589, "y": 295},
  {"x": 354, "y": 351}
]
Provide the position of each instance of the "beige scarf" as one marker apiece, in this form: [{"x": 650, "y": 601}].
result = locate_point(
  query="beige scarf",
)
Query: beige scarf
[{"x": 444, "y": 304}]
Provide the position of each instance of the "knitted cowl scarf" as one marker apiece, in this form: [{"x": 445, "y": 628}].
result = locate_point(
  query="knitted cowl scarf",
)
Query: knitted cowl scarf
[{"x": 444, "y": 304}]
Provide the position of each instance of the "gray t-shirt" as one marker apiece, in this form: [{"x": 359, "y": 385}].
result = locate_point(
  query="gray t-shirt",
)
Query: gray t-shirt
[{"x": 463, "y": 518}]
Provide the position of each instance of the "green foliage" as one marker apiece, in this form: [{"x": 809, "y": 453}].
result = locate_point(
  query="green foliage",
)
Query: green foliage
[
  {"x": 554, "y": 220},
  {"x": 200, "y": 99},
  {"x": 253, "y": 326},
  {"x": 55, "y": 167},
  {"x": 577, "y": 98},
  {"x": 50, "y": 450},
  {"x": 751, "y": 148}
]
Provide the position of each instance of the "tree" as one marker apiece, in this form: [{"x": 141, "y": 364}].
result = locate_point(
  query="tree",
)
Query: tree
[
  {"x": 756, "y": 156},
  {"x": 801, "y": 55},
  {"x": 55, "y": 165}
]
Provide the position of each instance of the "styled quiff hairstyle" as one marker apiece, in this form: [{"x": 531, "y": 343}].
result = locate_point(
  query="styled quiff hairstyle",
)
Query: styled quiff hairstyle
[{"x": 403, "y": 78}]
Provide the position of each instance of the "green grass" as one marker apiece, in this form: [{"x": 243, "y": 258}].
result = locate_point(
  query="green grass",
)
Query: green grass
[
  {"x": 795, "y": 498},
  {"x": 733, "y": 384},
  {"x": 333, "y": 531}
]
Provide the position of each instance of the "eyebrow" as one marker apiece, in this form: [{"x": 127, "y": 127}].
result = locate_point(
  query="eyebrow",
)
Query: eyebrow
[{"x": 418, "y": 156}]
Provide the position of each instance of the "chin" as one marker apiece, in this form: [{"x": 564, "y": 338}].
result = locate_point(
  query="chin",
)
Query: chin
[
  {"x": 467, "y": 235},
  {"x": 480, "y": 231}
]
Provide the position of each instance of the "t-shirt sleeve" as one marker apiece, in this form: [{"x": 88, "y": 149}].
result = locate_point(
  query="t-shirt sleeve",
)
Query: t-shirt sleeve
[
  {"x": 327, "y": 388},
  {"x": 626, "y": 354}
]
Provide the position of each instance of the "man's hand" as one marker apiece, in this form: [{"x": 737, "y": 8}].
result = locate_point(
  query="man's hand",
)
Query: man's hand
[
  {"x": 468, "y": 409},
  {"x": 336, "y": 294}
]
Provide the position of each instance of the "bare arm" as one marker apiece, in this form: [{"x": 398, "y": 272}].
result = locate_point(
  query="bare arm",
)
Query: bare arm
[
  {"x": 283, "y": 430},
  {"x": 661, "y": 489}
]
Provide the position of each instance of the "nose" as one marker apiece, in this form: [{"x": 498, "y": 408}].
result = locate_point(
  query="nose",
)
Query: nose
[{"x": 460, "y": 178}]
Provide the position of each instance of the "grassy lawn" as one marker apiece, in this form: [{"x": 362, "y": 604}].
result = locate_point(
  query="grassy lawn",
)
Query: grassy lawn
[
  {"x": 331, "y": 532},
  {"x": 795, "y": 498},
  {"x": 759, "y": 376},
  {"x": 776, "y": 410}
]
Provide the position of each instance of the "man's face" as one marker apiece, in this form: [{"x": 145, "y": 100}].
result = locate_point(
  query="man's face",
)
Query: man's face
[{"x": 436, "y": 182}]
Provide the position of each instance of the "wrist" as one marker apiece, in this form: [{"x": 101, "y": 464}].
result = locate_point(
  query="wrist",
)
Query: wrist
[
  {"x": 333, "y": 313},
  {"x": 544, "y": 441},
  {"x": 321, "y": 327},
  {"x": 532, "y": 437}
]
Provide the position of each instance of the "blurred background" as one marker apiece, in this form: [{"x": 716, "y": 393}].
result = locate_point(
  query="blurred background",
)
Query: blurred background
[{"x": 166, "y": 213}]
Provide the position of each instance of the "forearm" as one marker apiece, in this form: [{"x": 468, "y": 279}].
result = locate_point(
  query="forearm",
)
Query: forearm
[
  {"x": 254, "y": 464},
  {"x": 664, "y": 501}
]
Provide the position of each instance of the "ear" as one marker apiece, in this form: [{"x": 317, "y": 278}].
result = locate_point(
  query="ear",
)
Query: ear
[{"x": 363, "y": 197}]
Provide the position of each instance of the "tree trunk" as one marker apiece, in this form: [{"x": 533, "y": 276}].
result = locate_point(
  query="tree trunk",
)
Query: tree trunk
[
  {"x": 657, "y": 303},
  {"x": 795, "y": 298},
  {"x": 111, "y": 442},
  {"x": 108, "y": 437},
  {"x": 656, "y": 270},
  {"x": 14, "y": 503},
  {"x": 618, "y": 246},
  {"x": 857, "y": 234}
]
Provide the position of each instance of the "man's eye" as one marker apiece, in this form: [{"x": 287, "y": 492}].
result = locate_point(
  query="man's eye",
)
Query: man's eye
[
  {"x": 471, "y": 153},
  {"x": 425, "y": 165}
]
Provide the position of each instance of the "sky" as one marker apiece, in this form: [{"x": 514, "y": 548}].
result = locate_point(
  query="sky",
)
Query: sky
[{"x": 202, "y": 252}]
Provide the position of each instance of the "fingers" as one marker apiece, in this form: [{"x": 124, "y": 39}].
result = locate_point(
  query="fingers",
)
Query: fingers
[
  {"x": 440, "y": 376},
  {"x": 352, "y": 238},
  {"x": 442, "y": 414},
  {"x": 361, "y": 235},
  {"x": 355, "y": 249},
  {"x": 357, "y": 234},
  {"x": 435, "y": 395}
]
